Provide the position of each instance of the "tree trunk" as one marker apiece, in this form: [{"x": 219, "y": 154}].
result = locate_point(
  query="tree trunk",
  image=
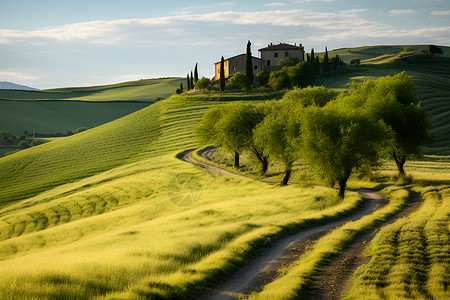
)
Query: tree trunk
[
  {"x": 236, "y": 159},
  {"x": 400, "y": 162},
  {"x": 287, "y": 175},
  {"x": 263, "y": 159},
  {"x": 342, "y": 184}
]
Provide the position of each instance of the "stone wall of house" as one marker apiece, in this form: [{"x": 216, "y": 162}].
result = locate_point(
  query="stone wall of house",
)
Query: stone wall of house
[{"x": 272, "y": 57}]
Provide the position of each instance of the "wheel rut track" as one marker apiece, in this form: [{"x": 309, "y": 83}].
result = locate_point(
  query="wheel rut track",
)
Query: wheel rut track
[{"x": 263, "y": 269}]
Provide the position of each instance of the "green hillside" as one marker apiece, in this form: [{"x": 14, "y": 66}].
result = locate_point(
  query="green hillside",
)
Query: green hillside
[
  {"x": 61, "y": 110},
  {"x": 113, "y": 213},
  {"x": 147, "y": 90}
]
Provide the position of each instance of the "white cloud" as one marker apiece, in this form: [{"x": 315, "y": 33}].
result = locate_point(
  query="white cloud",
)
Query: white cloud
[
  {"x": 16, "y": 76},
  {"x": 353, "y": 11},
  {"x": 306, "y": 1},
  {"x": 440, "y": 12},
  {"x": 396, "y": 12},
  {"x": 228, "y": 3},
  {"x": 275, "y": 4}
]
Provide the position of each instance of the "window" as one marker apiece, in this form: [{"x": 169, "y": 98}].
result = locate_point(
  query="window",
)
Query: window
[
  {"x": 256, "y": 67},
  {"x": 268, "y": 62},
  {"x": 275, "y": 54},
  {"x": 286, "y": 53},
  {"x": 234, "y": 68}
]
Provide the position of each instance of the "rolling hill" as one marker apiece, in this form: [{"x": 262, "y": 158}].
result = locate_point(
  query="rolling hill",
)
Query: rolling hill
[
  {"x": 61, "y": 110},
  {"x": 97, "y": 214}
]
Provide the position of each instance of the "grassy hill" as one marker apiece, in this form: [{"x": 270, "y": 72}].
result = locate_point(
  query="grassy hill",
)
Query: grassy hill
[
  {"x": 146, "y": 90},
  {"x": 61, "y": 110},
  {"x": 112, "y": 213}
]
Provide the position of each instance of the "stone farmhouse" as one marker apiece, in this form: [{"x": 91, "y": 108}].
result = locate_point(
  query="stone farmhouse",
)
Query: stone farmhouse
[{"x": 268, "y": 60}]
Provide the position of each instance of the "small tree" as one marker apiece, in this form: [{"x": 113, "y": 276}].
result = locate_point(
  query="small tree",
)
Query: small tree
[
  {"x": 222, "y": 74},
  {"x": 278, "y": 135},
  {"x": 241, "y": 81},
  {"x": 203, "y": 83},
  {"x": 263, "y": 78},
  {"x": 188, "y": 82},
  {"x": 279, "y": 80},
  {"x": 195, "y": 74},
  {"x": 249, "y": 63},
  {"x": 434, "y": 50},
  {"x": 355, "y": 61},
  {"x": 181, "y": 86},
  {"x": 192, "y": 81},
  {"x": 336, "y": 142},
  {"x": 326, "y": 62}
]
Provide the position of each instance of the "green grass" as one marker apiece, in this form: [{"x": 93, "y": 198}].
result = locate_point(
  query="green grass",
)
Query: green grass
[
  {"x": 146, "y": 90},
  {"x": 93, "y": 215},
  {"x": 410, "y": 258},
  {"x": 97, "y": 203}
]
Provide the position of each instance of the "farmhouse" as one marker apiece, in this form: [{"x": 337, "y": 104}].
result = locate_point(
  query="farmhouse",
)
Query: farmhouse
[
  {"x": 236, "y": 64},
  {"x": 268, "y": 60}
]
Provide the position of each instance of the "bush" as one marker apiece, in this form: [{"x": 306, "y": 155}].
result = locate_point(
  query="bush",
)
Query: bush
[
  {"x": 178, "y": 91},
  {"x": 279, "y": 80},
  {"x": 355, "y": 61},
  {"x": 241, "y": 81},
  {"x": 263, "y": 78},
  {"x": 203, "y": 83},
  {"x": 23, "y": 144},
  {"x": 35, "y": 142}
]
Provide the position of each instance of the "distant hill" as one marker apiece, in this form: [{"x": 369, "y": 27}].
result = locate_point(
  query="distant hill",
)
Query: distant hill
[{"x": 12, "y": 86}]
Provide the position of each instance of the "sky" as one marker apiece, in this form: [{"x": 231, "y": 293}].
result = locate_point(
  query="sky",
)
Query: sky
[{"x": 61, "y": 43}]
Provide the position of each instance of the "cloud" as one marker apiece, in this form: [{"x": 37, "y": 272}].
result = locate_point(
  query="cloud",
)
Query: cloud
[
  {"x": 228, "y": 3},
  {"x": 307, "y": 1},
  {"x": 396, "y": 12},
  {"x": 353, "y": 11},
  {"x": 440, "y": 12},
  {"x": 275, "y": 4},
  {"x": 19, "y": 76}
]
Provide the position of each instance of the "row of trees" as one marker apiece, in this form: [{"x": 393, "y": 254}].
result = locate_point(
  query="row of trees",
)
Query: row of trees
[{"x": 335, "y": 134}]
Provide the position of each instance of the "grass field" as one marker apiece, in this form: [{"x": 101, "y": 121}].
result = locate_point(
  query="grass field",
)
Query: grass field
[
  {"x": 117, "y": 231},
  {"x": 61, "y": 110},
  {"x": 112, "y": 213}
]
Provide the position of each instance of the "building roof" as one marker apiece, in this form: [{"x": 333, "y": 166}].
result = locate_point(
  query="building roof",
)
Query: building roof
[
  {"x": 282, "y": 46},
  {"x": 243, "y": 54}
]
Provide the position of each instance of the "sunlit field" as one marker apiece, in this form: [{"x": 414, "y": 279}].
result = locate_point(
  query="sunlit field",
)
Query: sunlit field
[{"x": 113, "y": 213}]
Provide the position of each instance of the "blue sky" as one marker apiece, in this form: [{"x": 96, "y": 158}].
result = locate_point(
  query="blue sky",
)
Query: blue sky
[{"x": 48, "y": 44}]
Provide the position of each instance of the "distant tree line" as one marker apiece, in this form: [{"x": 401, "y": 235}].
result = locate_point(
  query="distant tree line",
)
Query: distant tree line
[{"x": 335, "y": 134}]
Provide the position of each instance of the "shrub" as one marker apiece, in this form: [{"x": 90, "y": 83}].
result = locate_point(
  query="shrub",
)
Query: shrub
[
  {"x": 279, "y": 80},
  {"x": 263, "y": 78},
  {"x": 23, "y": 144},
  {"x": 355, "y": 61},
  {"x": 241, "y": 81},
  {"x": 203, "y": 83}
]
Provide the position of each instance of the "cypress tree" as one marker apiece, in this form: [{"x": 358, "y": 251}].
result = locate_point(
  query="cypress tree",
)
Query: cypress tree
[
  {"x": 308, "y": 58},
  {"x": 181, "y": 86},
  {"x": 312, "y": 55},
  {"x": 249, "y": 63},
  {"x": 317, "y": 65},
  {"x": 326, "y": 62},
  {"x": 192, "y": 81},
  {"x": 195, "y": 74},
  {"x": 188, "y": 82},
  {"x": 222, "y": 75}
]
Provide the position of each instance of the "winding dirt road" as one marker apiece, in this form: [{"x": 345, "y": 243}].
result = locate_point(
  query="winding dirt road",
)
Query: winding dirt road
[{"x": 261, "y": 270}]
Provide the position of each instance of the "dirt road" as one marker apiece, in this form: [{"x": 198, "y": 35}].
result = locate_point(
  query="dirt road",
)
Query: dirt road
[{"x": 262, "y": 269}]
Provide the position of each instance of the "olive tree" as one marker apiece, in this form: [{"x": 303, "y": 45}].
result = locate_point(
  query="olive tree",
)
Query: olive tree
[{"x": 337, "y": 141}]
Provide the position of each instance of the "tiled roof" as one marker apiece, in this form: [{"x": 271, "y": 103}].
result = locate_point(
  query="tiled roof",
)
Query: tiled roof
[
  {"x": 282, "y": 46},
  {"x": 243, "y": 54}
]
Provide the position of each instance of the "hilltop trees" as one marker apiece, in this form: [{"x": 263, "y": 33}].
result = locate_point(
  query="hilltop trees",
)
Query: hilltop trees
[
  {"x": 335, "y": 134},
  {"x": 195, "y": 74},
  {"x": 434, "y": 50},
  {"x": 222, "y": 74},
  {"x": 188, "y": 82},
  {"x": 241, "y": 81},
  {"x": 249, "y": 63}
]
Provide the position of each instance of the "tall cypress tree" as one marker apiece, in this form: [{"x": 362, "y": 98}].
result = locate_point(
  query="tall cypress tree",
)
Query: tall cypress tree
[
  {"x": 188, "y": 82},
  {"x": 195, "y": 74},
  {"x": 222, "y": 75},
  {"x": 326, "y": 62},
  {"x": 249, "y": 63},
  {"x": 312, "y": 55},
  {"x": 181, "y": 86},
  {"x": 308, "y": 58},
  {"x": 192, "y": 81}
]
